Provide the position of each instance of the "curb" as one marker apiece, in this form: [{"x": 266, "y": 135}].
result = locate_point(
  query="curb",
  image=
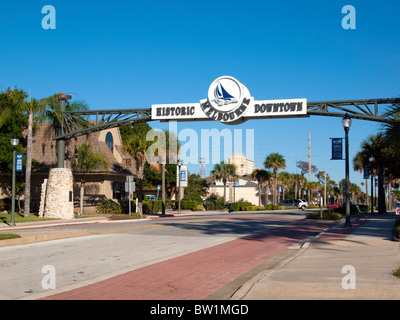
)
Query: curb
[{"x": 42, "y": 237}]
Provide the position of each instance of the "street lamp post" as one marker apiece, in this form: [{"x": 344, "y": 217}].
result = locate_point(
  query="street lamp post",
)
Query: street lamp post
[
  {"x": 346, "y": 123},
  {"x": 14, "y": 143},
  {"x": 179, "y": 185},
  {"x": 372, "y": 160}
]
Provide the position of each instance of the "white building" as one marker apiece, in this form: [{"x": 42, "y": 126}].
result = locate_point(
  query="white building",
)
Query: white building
[
  {"x": 244, "y": 190},
  {"x": 244, "y": 166}
]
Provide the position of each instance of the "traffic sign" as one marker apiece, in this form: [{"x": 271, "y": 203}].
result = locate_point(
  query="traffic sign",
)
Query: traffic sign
[{"x": 129, "y": 186}]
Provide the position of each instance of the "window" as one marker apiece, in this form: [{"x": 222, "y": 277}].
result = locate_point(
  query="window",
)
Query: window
[{"x": 109, "y": 141}]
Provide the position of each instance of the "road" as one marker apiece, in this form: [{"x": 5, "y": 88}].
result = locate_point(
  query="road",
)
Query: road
[{"x": 117, "y": 248}]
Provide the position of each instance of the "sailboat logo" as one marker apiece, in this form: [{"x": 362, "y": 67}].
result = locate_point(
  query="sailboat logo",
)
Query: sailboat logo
[
  {"x": 228, "y": 100},
  {"x": 222, "y": 97}
]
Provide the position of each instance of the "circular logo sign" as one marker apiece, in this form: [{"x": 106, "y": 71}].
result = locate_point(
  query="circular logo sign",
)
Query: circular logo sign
[{"x": 227, "y": 101}]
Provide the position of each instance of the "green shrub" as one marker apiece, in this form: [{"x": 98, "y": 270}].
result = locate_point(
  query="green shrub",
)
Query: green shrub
[
  {"x": 396, "y": 230},
  {"x": 188, "y": 205},
  {"x": 256, "y": 208},
  {"x": 199, "y": 207},
  {"x": 134, "y": 215},
  {"x": 124, "y": 204},
  {"x": 146, "y": 207},
  {"x": 109, "y": 207},
  {"x": 274, "y": 207},
  {"x": 210, "y": 206},
  {"x": 214, "y": 202},
  {"x": 241, "y": 206},
  {"x": 326, "y": 215},
  {"x": 396, "y": 272}
]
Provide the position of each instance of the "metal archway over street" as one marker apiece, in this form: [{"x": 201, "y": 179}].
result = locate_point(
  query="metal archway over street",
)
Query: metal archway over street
[{"x": 228, "y": 102}]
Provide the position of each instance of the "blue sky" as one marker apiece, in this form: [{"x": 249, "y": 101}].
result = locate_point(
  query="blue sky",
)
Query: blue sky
[{"x": 132, "y": 54}]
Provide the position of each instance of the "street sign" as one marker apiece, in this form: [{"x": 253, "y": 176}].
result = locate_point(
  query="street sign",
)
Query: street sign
[
  {"x": 18, "y": 164},
  {"x": 397, "y": 209},
  {"x": 337, "y": 149},
  {"x": 184, "y": 176},
  {"x": 130, "y": 186}
]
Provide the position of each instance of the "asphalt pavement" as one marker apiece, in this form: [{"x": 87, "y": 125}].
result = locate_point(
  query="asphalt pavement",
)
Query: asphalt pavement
[{"x": 337, "y": 263}]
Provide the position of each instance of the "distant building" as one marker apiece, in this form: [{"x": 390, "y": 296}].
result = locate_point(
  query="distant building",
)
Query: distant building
[
  {"x": 243, "y": 190},
  {"x": 244, "y": 166},
  {"x": 99, "y": 185}
]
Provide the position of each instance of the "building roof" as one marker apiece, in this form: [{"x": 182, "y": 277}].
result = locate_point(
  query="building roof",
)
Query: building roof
[
  {"x": 244, "y": 181},
  {"x": 44, "y": 150}
]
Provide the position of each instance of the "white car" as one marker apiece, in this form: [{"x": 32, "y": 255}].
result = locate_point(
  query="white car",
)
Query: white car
[{"x": 302, "y": 204}]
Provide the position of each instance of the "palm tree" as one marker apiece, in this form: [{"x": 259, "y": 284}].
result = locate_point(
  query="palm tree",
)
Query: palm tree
[
  {"x": 223, "y": 171},
  {"x": 299, "y": 181},
  {"x": 359, "y": 163},
  {"x": 262, "y": 177},
  {"x": 287, "y": 180},
  {"x": 88, "y": 161},
  {"x": 169, "y": 136},
  {"x": 275, "y": 161},
  {"x": 232, "y": 178},
  {"x": 377, "y": 146},
  {"x": 137, "y": 146}
]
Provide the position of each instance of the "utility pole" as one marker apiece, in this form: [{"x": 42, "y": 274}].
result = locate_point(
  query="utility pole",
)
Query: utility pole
[
  {"x": 325, "y": 190},
  {"x": 309, "y": 164}
]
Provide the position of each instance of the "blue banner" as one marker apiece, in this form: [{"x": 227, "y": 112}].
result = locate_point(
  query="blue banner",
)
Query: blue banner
[
  {"x": 18, "y": 164},
  {"x": 337, "y": 149},
  {"x": 366, "y": 173}
]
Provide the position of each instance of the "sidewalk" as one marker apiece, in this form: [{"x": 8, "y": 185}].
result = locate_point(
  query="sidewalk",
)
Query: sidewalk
[{"x": 316, "y": 271}]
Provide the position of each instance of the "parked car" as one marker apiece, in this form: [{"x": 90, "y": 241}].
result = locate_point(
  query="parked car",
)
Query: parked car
[
  {"x": 333, "y": 205},
  {"x": 302, "y": 204},
  {"x": 151, "y": 197},
  {"x": 289, "y": 203}
]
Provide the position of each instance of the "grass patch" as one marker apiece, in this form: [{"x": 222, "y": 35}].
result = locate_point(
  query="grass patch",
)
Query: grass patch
[
  {"x": 326, "y": 215},
  {"x": 110, "y": 216},
  {"x": 6, "y": 218},
  {"x": 5, "y": 236},
  {"x": 124, "y": 216}
]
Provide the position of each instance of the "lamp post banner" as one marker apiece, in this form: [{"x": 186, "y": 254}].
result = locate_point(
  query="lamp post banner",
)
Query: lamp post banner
[
  {"x": 183, "y": 176},
  {"x": 229, "y": 102},
  {"x": 337, "y": 149},
  {"x": 19, "y": 159}
]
